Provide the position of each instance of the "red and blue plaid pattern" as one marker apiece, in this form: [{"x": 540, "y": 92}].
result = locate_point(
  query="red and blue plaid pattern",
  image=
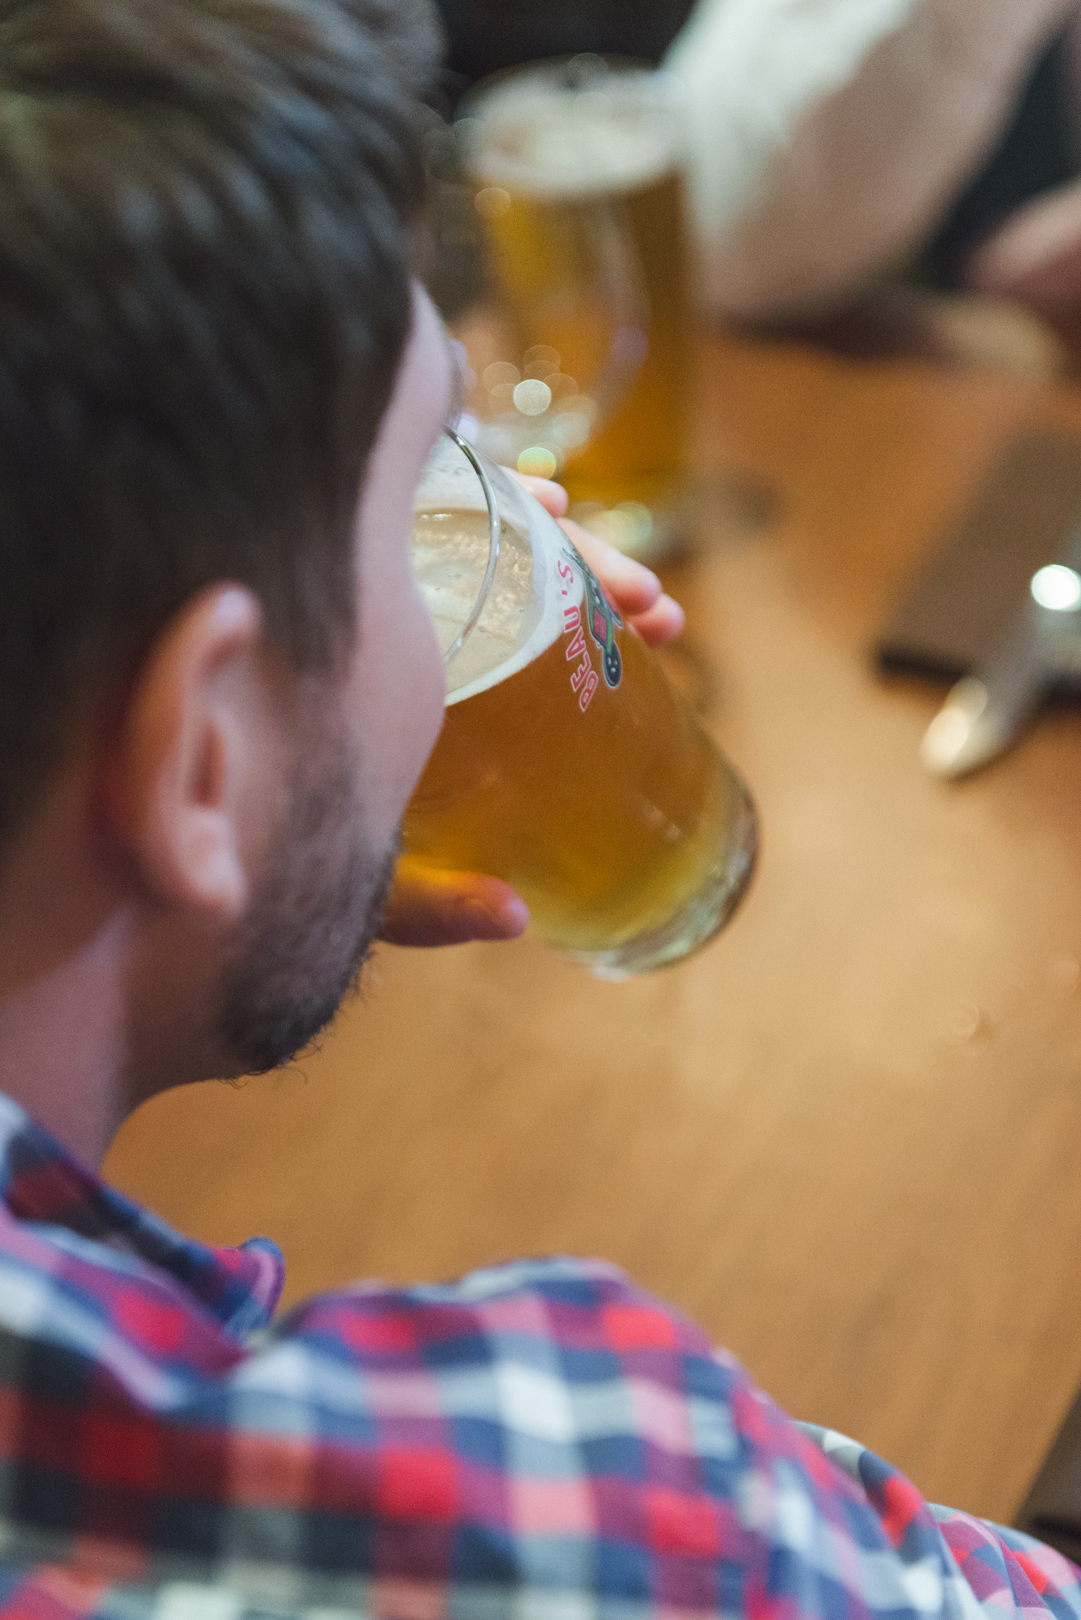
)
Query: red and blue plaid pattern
[{"x": 540, "y": 1441}]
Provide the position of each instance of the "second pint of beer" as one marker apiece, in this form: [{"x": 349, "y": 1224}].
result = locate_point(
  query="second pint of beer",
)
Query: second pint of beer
[
  {"x": 571, "y": 768},
  {"x": 548, "y": 143}
]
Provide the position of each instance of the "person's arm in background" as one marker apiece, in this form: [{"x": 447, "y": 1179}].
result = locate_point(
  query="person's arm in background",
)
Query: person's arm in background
[
  {"x": 1035, "y": 255},
  {"x": 827, "y": 137}
]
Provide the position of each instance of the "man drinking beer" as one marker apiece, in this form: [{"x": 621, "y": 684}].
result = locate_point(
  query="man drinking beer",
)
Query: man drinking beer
[{"x": 218, "y": 388}]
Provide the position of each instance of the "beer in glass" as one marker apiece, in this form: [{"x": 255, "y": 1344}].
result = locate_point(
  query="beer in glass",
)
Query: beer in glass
[{"x": 568, "y": 765}]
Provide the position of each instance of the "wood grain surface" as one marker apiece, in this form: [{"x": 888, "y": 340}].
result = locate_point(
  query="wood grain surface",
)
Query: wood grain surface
[{"x": 847, "y": 1137}]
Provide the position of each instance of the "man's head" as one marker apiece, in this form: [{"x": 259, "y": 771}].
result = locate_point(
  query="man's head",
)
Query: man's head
[
  {"x": 361, "y": 746},
  {"x": 205, "y": 218},
  {"x": 204, "y": 213}
]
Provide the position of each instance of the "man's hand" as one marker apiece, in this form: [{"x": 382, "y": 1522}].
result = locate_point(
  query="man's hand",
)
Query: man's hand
[{"x": 448, "y": 908}]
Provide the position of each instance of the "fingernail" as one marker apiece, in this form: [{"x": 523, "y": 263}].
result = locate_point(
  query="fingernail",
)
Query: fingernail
[
  {"x": 516, "y": 915},
  {"x": 506, "y": 920}
]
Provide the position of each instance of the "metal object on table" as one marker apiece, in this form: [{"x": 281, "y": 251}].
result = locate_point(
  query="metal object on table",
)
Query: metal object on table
[
  {"x": 993, "y": 609},
  {"x": 985, "y": 712}
]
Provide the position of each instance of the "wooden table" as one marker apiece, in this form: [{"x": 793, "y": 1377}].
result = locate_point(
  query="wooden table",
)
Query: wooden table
[{"x": 847, "y": 1138}]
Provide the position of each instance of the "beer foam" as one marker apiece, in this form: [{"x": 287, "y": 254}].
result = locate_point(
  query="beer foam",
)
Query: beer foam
[
  {"x": 513, "y": 635},
  {"x": 550, "y": 141},
  {"x": 449, "y": 553}
]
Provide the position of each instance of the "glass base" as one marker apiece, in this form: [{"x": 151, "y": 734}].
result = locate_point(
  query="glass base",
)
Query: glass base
[{"x": 699, "y": 918}]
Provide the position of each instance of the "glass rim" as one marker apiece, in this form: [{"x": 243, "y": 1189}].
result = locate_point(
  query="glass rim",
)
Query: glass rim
[
  {"x": 659, "y": 79},
  {"x": 492, "y": 503},
  {"x": 654, "y": 92}
]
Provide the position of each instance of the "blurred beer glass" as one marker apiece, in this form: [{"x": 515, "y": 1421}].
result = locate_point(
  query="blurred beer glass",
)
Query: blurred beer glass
[
  {"x": 568, "y": 765},
  {"x": 563, "y": 153}
]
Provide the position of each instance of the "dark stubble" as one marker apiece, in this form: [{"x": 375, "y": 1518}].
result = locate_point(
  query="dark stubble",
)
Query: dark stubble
[{"x": 314, "y": 916}]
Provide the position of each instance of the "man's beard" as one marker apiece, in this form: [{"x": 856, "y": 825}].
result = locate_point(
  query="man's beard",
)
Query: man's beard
[{"x": 314, "y": 916}]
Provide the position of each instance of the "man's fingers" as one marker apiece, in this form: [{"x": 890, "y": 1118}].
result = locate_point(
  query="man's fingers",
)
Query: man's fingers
[
  {"x": 661, "y": 623},
  {"x": 427, "y": 907},
  {"x": 553, "y": 497},
  {"x": 633, "y": 587}
]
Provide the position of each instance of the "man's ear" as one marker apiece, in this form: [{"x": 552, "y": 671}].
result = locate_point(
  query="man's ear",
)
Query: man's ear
[{"x": 191, "y": 779}]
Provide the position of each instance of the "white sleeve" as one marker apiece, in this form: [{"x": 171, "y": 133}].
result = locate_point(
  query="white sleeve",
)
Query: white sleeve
[{"x": 826, "y": 135}]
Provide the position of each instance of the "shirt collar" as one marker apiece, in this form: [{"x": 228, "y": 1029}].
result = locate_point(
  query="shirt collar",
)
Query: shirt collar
[{"x": 43, "y": 1185}]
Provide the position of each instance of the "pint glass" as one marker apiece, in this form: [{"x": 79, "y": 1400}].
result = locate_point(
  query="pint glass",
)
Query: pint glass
[
  {"x": 555, "y": 140},
  {"x": 567, "y": 765}
]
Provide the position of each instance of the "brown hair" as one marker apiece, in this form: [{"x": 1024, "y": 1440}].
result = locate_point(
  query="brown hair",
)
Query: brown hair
[{"x": 205, "y": 209}]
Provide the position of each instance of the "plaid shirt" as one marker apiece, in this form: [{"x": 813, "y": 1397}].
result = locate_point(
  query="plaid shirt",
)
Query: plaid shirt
[{"x": 539, "y": 1441}]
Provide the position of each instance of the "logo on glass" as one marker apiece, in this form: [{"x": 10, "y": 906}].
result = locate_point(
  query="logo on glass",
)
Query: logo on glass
[{"x": 603, "y": 622}]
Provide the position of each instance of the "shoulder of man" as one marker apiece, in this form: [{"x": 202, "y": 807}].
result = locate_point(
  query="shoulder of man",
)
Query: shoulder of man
[{"x": 539, "y": 1438}]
